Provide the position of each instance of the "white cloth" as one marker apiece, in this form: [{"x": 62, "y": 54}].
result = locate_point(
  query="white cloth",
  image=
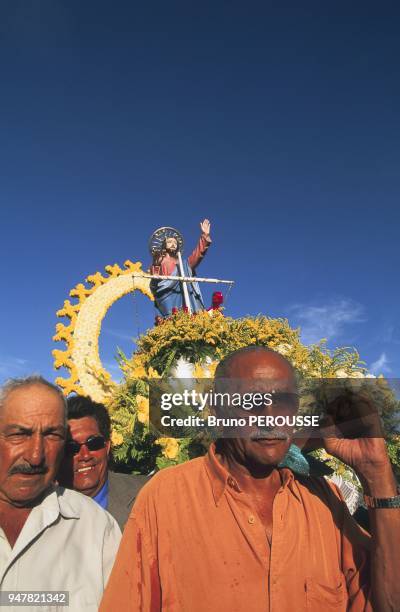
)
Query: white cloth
[{"x": 68, "y": 543}]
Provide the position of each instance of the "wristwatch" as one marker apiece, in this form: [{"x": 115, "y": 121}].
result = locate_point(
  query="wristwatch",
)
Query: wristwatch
[{"x": 383, "y": 502}]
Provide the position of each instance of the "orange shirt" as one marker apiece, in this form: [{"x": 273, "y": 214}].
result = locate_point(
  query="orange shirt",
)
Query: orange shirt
[{"x": 194, "y": 543}]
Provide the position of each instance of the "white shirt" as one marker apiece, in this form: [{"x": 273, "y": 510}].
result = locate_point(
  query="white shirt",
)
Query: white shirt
[{"x": 68, "y": 543}]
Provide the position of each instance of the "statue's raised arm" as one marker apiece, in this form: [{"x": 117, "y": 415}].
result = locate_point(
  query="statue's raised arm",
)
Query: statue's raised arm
[{"x": 202, "y": 245}]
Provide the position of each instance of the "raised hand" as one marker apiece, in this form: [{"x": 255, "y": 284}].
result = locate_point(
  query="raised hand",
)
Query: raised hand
[
  {"x": 362, "y": 446},
  {"x": 205, "y": 227}
]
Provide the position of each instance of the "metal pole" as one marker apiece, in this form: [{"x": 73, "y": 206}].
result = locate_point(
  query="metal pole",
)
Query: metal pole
[
  {"x": 186, "y": 279},
  {"x": 184, "y": 286}
]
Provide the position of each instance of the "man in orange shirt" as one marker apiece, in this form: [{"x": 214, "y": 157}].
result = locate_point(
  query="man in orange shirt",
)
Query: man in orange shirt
[{"x": 233, "y": 532}]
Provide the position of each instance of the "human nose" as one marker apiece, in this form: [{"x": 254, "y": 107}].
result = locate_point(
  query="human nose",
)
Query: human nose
[
  {"x": 34, "y": 453},
  {"x": 84, "y": 453}
]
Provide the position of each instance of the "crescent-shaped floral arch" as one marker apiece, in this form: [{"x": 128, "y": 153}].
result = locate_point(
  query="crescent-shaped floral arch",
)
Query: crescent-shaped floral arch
[{"x": 81, "y": 358}]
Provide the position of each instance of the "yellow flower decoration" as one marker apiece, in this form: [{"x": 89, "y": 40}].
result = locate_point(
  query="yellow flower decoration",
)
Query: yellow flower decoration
[
  {"x": 81, "y": 335},
  {"x": 142, "y": 408},
  {"x": 170, "y": 447},
  {"x": 198, "y": 371},
  {"x": 117, "y": 438},
  {"x": 139, "y": 372},
  {"x": 203, "y": 341}
]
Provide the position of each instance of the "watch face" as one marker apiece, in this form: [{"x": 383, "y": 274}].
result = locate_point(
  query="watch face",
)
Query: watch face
[{"x": 157, "y": 239}]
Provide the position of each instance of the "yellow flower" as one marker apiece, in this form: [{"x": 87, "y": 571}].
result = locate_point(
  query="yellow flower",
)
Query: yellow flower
[
  {"x": 142, "y": 408},
  {"x": 171, "y": 447},
  {"x": 138, "y": 372},
  {"x": 117, "y": 438},
  {"x": 211, "y": 368},
  {"x": 198, "y": 371}
]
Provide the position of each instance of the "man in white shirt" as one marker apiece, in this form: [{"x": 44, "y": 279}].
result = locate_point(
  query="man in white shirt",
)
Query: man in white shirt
[{"x": 51, "y": 539}]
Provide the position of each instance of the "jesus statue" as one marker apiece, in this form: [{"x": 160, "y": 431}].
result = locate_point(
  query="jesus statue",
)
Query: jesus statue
[{"x": 166, "y": 247}]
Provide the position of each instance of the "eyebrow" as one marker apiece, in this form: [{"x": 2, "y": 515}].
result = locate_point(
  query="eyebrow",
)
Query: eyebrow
[
  {"x": 18, "y": 428},
  {"x": 29, "y": 430},
  {"x": 56, "y": 429}
]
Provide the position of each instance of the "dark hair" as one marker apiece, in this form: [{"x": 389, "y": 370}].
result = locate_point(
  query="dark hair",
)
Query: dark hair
[{"x": 80, "y": 406}]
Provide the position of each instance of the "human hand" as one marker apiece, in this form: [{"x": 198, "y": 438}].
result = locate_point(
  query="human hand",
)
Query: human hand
[
  {"x": 360, "y": 443},
  {"x": 205, "y": 227}
]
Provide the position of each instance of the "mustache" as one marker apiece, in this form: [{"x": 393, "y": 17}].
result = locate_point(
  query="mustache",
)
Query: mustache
[{"x": 28, "y": 469}]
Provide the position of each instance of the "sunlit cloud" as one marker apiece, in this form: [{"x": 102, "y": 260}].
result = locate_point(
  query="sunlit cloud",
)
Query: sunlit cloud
[
  {"x": 381, "y": 365},
  {"x": 326, "y": 320}
]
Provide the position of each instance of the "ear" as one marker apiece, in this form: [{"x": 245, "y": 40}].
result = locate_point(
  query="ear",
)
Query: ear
[{"x": 108, "y": 447}]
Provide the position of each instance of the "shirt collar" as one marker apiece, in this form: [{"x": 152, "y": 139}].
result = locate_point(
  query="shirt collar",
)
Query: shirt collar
[
  {"x": 67, "y": 506},
  {"x": 102, "y": 496},
  {"x": 220, "y": 478},
  {"x": 56, "y": 502}
]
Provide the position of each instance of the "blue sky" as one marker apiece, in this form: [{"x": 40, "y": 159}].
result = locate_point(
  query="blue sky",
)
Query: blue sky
[{"x": 279, "y": 123}]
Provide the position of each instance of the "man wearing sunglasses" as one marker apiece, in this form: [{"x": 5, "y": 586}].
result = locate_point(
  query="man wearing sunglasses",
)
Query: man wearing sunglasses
[{"x": 85, "y": 467}]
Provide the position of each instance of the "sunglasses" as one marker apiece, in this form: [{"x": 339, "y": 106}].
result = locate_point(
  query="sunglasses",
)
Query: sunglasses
[{"x": 93, "y": 443}]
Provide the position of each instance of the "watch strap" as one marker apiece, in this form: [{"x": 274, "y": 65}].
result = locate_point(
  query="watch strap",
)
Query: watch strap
[{"x": 383, "y": 502}]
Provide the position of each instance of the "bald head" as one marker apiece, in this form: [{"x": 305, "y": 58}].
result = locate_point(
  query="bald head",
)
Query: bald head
[{"x": 256, "y": 362}]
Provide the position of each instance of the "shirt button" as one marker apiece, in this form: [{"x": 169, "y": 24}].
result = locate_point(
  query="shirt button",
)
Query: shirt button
[{"x": 251, "y": 519}]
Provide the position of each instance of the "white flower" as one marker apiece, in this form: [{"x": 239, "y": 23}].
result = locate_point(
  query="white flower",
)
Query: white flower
[
  {"x": 283, "y": 348},
  {"x": 183, "y": 369}
]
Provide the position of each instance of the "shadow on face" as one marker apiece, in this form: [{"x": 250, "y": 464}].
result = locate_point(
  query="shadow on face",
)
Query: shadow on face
[{"x": 84, "y": 469}]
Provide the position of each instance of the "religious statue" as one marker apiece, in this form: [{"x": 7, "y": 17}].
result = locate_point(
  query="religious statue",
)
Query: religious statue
[{"x": 166, "y": 247}]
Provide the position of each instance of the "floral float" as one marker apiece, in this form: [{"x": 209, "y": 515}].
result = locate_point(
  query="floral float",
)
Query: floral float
[{"x": 182, "y": 345}]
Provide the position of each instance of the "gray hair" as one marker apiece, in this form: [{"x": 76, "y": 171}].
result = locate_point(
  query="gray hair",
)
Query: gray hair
[{"x": 12, "y": 384}]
